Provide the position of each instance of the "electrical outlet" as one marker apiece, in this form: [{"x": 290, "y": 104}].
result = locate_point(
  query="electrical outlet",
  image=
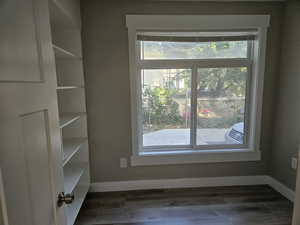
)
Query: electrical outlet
[
  {"x": 294, "y": 163},
  {"x": 123, "y": 163}
]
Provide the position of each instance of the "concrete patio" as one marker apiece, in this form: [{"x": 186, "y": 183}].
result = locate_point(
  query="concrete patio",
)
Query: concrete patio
[{"x": 182, "y": 137}]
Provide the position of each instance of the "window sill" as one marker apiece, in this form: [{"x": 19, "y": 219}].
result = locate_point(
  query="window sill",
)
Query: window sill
[{"x": 188, "y": 156}]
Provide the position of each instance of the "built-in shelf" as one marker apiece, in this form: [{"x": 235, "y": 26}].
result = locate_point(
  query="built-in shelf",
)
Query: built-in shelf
[
  {"x": 68, "y": 118},
  {"x": 68, "y": 87},
  {"x": 60, "y": 17},
  {"x": 65, "y": 24},
  {"x": 80, "y": 193},
  {"x": 72, "y": 176},
  {"x": 74, "y": 210},
  {"x": 63, "y": 53},
  {"x": 70, "y": 147}
]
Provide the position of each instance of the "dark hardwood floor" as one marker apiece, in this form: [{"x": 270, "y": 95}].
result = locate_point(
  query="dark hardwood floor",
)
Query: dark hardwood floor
[{"x": 242, "y": 205}]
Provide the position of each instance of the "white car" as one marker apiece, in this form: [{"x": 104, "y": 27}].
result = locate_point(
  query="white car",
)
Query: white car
[{"x": 235, "y": 134}]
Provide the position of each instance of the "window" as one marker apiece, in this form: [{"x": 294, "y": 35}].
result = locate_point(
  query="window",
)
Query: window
[{"x": 195, "y": 90}]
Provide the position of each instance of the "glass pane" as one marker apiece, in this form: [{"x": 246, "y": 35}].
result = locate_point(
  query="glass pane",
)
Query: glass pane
[
  {"x": 193, "y": 50},
  {"x": 166, "y": 98},
  {"x": 221, "y": 94}
]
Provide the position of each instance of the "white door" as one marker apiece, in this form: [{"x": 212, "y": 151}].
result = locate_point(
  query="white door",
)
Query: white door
[{"x": 30, "y": 146}]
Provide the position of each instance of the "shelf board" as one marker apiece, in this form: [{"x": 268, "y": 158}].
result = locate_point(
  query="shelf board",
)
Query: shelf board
[
  {"x": 68, "y": 118},
  {"x": 63, "y": 53},
  {"x": 70, "y": 147},
  {"x": 68, "y": 87},
  {"x": 72, "y": 175}
]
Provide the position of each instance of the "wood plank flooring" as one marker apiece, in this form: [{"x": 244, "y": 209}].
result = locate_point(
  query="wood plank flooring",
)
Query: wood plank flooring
[{"x": 240, "y": 205}]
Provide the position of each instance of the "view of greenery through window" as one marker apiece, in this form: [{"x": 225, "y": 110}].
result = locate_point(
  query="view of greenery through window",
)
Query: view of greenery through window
[
  {"x": 166, "y": 106},
  {"x": 220, "y": 102},
  {"x": 193, "y": 50},
  {"x": 166, "y": 95}
]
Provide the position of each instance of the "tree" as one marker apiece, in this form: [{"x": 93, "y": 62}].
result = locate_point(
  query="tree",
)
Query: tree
[
  {"x": 159, "y": 107},
  {"x": 222, "y": 82},
  {"x": 212, "y": 82}
]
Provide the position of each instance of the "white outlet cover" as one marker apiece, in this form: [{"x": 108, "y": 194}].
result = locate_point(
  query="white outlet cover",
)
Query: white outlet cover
[
  {"x": 294, "y": 163},
  {"x": 123, "y": 163}
]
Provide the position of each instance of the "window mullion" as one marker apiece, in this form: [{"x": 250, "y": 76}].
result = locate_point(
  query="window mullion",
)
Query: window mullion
[
  {"x": 248, "y": 102},
  {"x": 194, "y": 107}
]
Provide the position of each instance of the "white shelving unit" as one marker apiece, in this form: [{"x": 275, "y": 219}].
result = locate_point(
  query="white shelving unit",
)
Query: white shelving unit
[
  {"x": 71, "y": 147},
  {"x": 62, "y": 53},
  {"x": 68, "y": 118},
  {"x": 73, "y": 174},
  {"x": 66, "y": 43}
]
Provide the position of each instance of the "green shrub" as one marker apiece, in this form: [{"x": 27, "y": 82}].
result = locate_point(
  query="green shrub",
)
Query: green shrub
[{"x": 159, "y": 107}]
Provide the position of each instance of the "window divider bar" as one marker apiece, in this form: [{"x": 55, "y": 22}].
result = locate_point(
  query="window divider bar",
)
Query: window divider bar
[
  {"x": 194, "y": 106},
  {"x": 183, "y": 63},
  {"x": 248, "y": 100}
]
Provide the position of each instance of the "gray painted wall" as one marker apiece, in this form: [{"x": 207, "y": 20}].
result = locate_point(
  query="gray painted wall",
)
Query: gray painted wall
[
  {"x": 286, "y": 138},
  {"x": 105, "y": 46}
]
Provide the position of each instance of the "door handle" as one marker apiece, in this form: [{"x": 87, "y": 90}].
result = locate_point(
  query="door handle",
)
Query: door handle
[{"x": 65, "y": 199}]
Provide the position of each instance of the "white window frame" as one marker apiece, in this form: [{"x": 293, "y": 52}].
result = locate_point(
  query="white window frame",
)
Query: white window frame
[{"x": 192, "y": 23}]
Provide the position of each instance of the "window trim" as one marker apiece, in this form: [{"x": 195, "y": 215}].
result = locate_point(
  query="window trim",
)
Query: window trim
[{"x": 197, "y": 22}]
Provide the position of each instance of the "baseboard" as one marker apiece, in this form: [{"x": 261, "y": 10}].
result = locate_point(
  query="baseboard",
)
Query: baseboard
[
  {"x": 177, "y": 183},
  {"x": 192, "y": 183},
  {"x": 281, "y": 188}
]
